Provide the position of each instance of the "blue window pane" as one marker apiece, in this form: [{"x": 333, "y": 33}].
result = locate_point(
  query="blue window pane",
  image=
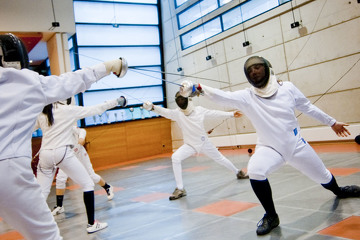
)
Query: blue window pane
[
  {"x": 283, "y": 1},
  {"x": 197, "y": 11},
  {"x": 98, "y": 12},
  {"x": 133, "y": 78},
  {"x": 70, "y": 42},
  {"x": 180, "y": 2},
  {"x": 232, "y": 18},
  {"x": 254, "y": 8},
  {"x": 201, "y": 33},
  {"x": 134, "y": 95},
  {"x": 120, "y": 115},
  {"x": 122, "y": 35},
  {"x": 135, "y": 56},
  {"x": 223, "y": 2},
  {"x": 129, "y": 1}
]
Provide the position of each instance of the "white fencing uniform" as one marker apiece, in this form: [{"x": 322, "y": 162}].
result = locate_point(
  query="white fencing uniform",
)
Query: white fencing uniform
[
  {"x": 82, "y": 156},
  {"x": 57, "y": 145},
  {"x": 24, "y": 93},
  {"x": 195, "y": 137},
  {"x": 279, "y": 140}
]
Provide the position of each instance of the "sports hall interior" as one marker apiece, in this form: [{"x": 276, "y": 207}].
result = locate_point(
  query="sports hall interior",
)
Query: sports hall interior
[{"x": 315, "y": 44}]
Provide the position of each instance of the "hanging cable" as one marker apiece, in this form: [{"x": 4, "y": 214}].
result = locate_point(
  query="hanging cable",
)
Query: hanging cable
[
  {"x": 54, "y": 24},
  {"x": 173, "y": 32},
  {"x": 246, "y": 43}
]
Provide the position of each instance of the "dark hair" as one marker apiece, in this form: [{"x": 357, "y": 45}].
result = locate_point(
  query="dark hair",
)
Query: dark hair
[{"x": 48, "y": 112}]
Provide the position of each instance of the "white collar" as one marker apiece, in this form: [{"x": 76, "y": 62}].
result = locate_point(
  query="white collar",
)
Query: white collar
[{"x": 270, "y": 88}]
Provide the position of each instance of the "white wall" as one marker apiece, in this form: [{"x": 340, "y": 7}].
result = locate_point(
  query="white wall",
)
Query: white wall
[
  {"x": 27, "y": 16},
  {"x": 36, "y": 16},
  {"x": 324, "y": 51}
]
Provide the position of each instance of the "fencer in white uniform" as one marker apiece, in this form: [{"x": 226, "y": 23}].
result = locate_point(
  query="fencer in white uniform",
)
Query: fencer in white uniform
[
  {"x": 78, "y": 135},
  {"x": 56, "y": 150},
  {"x": 24, "y": 93},
  {"x": 270, "y": 105},
  {"x": 191, "y": 122}
]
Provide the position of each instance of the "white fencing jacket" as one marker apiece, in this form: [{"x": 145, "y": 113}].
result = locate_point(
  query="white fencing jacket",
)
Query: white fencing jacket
[
  {"x": 192, "y": 126},
  {"x": 273, "y": 118},
  {"x": 78, "y": 133},
  {"x": 24, "y": 93},
  {"x": 61, "y": 132}
]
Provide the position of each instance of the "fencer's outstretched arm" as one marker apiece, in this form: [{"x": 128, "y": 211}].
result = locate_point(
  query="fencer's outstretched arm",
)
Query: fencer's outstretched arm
[
  {"x": 82, "y": 112},
  {"x": 213, "y": 114},
  {"x": 216, "y": 95},
  {"x": 71, "y": 83},
  {"x": 304, "y": 105},
  {"x": 167, "y": 113},
  {"x": 340, "y": 130}
]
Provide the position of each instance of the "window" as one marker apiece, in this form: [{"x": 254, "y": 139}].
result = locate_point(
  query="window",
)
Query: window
[
  {"x": 178, "y": 3},
  {"x": 196, "y": 11},
  {"x": 235, "y": 16},
  {"x": 107, "y": 30},
  {"x": 201, "y": 33}
]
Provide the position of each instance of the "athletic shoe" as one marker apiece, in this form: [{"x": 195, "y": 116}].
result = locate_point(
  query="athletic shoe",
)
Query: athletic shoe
[
  {"x": 178, "y": 193},
  {"x": 349, "y": 191},
  {"x": 110, "y": 193},
  {"x": 97, "y": 226},
  {"x": 58, "y": 210},
  {"x": 266, "y": 224},
  {"x": 242, "y": 175}
]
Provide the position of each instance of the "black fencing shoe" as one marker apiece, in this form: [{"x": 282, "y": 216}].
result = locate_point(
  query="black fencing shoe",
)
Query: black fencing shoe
[
  {"x": 267, "y": 223},
  {"x": 349, "y": 191}
]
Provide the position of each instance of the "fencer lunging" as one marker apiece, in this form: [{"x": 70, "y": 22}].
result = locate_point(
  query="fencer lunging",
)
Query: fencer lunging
[
  {"x": 24, "y": 93},
  {"x": 191, "y": 122},
  {"x": 79, "y": 135},
  {"x": 270, "y": 105},
  {"x": 57, "y": 150}
]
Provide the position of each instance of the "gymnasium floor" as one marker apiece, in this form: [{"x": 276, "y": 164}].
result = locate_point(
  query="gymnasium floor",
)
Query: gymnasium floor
[{"x": 218, "y": 206}]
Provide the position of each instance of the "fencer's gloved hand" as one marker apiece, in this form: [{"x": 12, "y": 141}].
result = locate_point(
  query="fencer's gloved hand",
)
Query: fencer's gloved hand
[
  {"x": 122, "y": 102},
  {"x": 117, "y": 66},
  {"x": 189, "y": 89},
  {"x": 148, "y": 105}
]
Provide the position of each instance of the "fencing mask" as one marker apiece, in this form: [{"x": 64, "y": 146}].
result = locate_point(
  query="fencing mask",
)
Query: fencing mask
[
  {"x": 260, "y": 75},
  {"x": 184, "y": 103},
  {"x": 13, "y": 52}
]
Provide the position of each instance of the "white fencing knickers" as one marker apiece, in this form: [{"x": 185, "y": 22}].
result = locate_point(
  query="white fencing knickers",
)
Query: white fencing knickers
[
  {"x": 83, "y": 157},
  {"x": 266, "y": 160},
  {"x": 185, "y": 151},
  {"x": 22, "y": 205},
  {"x": 65, "y": 159}
]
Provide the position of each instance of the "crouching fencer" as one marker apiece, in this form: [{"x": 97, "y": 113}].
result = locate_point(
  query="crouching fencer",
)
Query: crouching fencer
[
  {"x": 24, "y": 93},
  {"x": 270, "y": 105},
  {"x": 78, "y": 136},
  {"x": 57, "y": 150},
  {"x": 191, "y": 122}
]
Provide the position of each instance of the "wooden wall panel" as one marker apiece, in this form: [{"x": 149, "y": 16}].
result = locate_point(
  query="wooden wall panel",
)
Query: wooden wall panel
[
  {"x": 118, "y": 143},
  {"x": 125, "y": 141}
]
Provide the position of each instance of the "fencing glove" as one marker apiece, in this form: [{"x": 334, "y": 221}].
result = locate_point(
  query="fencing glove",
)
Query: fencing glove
[
  {"x": 117, "y": 66},
  {"x": 122, "y": 102},
  {"x": 148, "y": 105},
  {"x": 189, "y": 89}
]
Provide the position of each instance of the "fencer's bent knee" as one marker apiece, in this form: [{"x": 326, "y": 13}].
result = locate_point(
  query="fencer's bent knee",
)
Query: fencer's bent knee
[
  {"x": 61, "y": 181},
  {"x": 88, "y": 187},
  {"x": 175, "y": 159},
  {"x": 256, "y": 172}
]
